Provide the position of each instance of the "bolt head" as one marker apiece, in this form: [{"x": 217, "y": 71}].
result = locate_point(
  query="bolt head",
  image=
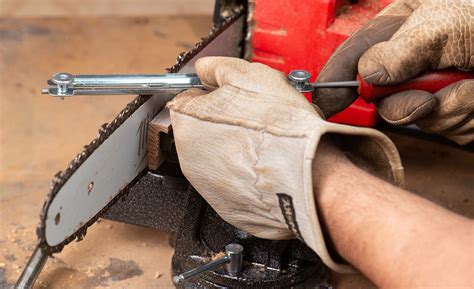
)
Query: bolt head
[
  {"x": 299, "y": 75},
  {"x": 62, "y": 78},
  {"x": 234, "y": 249}
]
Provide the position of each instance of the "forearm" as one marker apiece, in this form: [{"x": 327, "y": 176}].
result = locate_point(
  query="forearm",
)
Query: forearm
[{"x": 395, "y": 238}]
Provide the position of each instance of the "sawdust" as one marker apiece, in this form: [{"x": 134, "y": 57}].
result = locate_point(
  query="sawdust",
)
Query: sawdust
[
  {"x": 217, "y": 255},
  {"x": 158, "y": 275}
]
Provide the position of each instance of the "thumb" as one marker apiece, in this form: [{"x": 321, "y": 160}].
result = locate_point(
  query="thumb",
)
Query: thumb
[
  {"x": 215, "y": 72},
  {"x": 406, "y": 107},
  {"x": 343, "y": 63}
]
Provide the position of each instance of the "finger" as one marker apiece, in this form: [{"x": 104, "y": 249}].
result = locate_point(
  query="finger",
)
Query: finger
[
  {"x": 186, "y": 96},
  {"x": 454, "y": 113},
  {"x": 429, "y": 39},
  {"x": 343, "y": 64},
  {"x": 398, "y": 60},
  {"x": 406, "y": 107},
  {"x": 216, "y": 71},
  {"x": 219, "y": 71}
]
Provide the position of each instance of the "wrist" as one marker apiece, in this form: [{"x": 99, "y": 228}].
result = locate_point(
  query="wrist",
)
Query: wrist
[{"x": 330, "y": 167}]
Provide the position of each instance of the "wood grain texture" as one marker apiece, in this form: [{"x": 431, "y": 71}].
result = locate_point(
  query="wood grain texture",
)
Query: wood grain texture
[
  {"x": 72, "y": 8},
  {"x": 160, "y": 124}
]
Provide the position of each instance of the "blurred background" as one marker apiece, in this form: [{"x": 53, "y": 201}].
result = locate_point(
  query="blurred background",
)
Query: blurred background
[{"x": 72, "y": 8}]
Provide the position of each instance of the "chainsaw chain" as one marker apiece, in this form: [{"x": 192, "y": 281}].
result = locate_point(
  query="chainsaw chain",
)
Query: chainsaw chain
[{"x": 105, "y": 131}]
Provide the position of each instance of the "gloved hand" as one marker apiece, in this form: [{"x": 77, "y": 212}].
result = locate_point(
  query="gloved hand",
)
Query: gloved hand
[
  {"x": 248, "y": 148},
  {"x": 404, "y": 40}
]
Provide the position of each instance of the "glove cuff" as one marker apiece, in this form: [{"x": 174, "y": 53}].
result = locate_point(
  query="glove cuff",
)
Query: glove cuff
[{"x": 369, "y": 149}]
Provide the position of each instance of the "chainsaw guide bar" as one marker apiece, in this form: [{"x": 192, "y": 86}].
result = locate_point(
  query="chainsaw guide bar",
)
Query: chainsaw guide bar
[{"x": 184, "y": 64}]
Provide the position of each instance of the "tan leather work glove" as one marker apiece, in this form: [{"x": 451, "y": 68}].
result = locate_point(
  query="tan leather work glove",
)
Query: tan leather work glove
[
  {"x": 248, "y": 148},
  {"x": 404, "y": 40}
]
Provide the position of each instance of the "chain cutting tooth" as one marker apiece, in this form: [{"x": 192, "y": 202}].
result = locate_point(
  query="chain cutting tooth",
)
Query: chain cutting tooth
[{"x": 102, "y": 129}]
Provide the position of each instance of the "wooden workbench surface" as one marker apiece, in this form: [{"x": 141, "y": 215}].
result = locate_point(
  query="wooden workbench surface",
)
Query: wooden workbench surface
[{"x": 39, "y": 135}]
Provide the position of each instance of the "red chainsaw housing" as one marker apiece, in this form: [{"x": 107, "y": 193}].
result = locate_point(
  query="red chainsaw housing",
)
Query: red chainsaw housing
[{"x": 303, "y": 34}]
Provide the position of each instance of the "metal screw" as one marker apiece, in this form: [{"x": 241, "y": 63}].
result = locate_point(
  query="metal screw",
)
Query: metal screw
[
  {"x": 62, "y": 80},
  {"x": 300, "y": 80}
]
